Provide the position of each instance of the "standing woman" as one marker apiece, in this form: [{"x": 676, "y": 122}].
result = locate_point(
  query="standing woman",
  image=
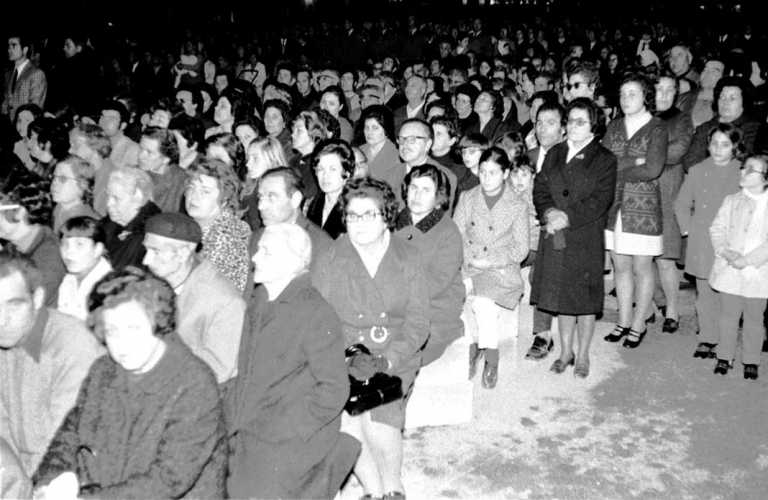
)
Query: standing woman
[
  {"x": 376, "y": 284},
  {"x": 572, "y": 194},
  {"x": 334, "y": 165},
  {"x": 634, "y": 233},
  {"x": 680, "y": 130}
]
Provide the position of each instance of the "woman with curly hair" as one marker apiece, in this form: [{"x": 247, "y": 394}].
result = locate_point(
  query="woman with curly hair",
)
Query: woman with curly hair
[
  {"x": 150, "y": 383},
  {"x": 212, "y": 198}
]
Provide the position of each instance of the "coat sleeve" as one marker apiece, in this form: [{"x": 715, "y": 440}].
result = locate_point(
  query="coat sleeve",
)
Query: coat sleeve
[
  {"x": 718, "y": 231},
  {"x": 684, "y": 203},
  {"x": 595, "y": 204},
  {"x": 324, "y": 350},
  {"x": 655, "y": 158},
  {"x": 697, "y": 151},
  {"x": 542, "y": 196},
  {"x": 461, "y": 218},
  {"x": 680, "y": 137},
  {"x": 38, "y": 88},
  {"x": 222, "y": 338},
  {"x": 447, "y": 261},
  {"x": 416, "y": 325},
  {"x": 190, "y": 438}
]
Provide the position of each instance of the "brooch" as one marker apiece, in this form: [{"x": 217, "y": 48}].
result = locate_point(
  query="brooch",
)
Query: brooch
[{"x": 379, "y": 334}]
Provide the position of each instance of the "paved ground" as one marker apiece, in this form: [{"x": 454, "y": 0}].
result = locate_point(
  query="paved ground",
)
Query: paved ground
[{"x": 648, "y": 423}]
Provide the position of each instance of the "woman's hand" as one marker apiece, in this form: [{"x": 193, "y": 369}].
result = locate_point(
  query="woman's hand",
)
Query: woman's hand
[
  {"x": 739, "y": 262},
  {"x": 556, "y": 220},
  {"x": 481, "y": 264},
  {"x": 640, "y": 161},
  {"x": 730, "y": 255}
]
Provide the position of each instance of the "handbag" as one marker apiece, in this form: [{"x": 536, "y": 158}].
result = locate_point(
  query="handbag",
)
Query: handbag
[{"x": 377, "y": 390}]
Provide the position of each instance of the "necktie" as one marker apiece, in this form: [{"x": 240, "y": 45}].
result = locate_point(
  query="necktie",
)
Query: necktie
[{"x": 15, "y": 79}]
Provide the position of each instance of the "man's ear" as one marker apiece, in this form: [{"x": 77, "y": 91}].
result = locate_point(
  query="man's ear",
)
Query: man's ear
[
  {"x": 38, "y": 297},
  {"x": 296, "y": 199}
]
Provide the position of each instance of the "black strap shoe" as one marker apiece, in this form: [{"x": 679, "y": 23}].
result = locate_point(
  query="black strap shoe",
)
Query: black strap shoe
[
  {"x": 618, "y": 333},
  {"x": 540, "y": 348}
]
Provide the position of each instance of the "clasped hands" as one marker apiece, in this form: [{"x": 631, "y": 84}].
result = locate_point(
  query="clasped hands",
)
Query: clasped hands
[
  {"x": 556, "y": 220},
  {"x": 734, "y": 258},
  {"x": 363, "y": 366}
]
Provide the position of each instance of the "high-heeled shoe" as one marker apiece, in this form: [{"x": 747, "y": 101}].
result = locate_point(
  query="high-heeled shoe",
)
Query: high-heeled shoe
[
  {"x": 722, "y": 367},
  {"x": 670, "y": 325},
  {"x": 559, "y": 365},
  {"x": 705, "y": 350},
  {"x": 750, "y": 372},
  {"x": 634, "y": 338},
  {"x": 618, "y": 333},
  {"x": 581, "y": 369}
]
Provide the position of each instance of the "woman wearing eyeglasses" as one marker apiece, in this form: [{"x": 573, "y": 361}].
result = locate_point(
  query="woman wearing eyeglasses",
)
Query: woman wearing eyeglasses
[
  {"x": 572, "y": 194},
  {"x": 634, "y": 233},
  {"x": 375, "y": 282},
  {"x": 72, "y": 191}
]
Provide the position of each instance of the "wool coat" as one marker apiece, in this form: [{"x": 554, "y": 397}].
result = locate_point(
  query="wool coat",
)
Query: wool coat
[
  {"x": 31, "y": 88},
  {"x": 288, "y": 397},
  {"x": 334, "y": 225},
  {"x": 439, "y": 243},
  {"x": 570, "y": 280},
  {"x": 160, "y": 435},
  {"x": 386, "y": 166},
  {"x": 499, "y": 235},
  {"x": 638, "y": 196},
  {"x": 125, "y": 244}
]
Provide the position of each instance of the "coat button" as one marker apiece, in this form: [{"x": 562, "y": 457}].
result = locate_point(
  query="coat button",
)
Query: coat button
[
  {"x": 485, "y": 249},
  {"x": 410, "y": 237},
  {"x": 490, "y": 228},
  {"x": 565, "y": 192}
]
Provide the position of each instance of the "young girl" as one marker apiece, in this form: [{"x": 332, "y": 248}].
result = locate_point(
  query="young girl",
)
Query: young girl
[
  {"x": 493, "y": 222},
  {"x": 740, "y": 272},
  {"x": 703, "y": 191}
]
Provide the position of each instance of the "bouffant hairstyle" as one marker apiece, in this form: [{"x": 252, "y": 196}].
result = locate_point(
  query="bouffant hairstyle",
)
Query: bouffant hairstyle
[
  {"x": 381, "y": 115},
  {"x": 734, "y": 81},
  {"x": 649, "y": 91},
  {"x": 376, "y": 190},
  {"x": 133, "y": 284},
  {"x": 227, "y": 180},
  {"x": 341, "y": 149},
  {"x": 442, "y": 184}
]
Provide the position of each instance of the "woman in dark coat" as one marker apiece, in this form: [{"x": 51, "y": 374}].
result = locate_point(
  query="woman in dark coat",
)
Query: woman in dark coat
[
  {"x": 572, "y": 194},
  {"x": 334, "y": 165},
  {"x": 680, "y": 130},
  {"x": 148, "y": 422},
  {"x": 634, "y": 232},
  {"x": 376, "y": 284}
]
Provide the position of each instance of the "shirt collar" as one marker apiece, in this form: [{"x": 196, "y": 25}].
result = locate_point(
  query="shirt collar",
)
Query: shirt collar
[{"x": 33, "y": 342}]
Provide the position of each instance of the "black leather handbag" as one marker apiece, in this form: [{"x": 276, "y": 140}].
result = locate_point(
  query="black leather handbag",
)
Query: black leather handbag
[{"x": 377, "y": 390}]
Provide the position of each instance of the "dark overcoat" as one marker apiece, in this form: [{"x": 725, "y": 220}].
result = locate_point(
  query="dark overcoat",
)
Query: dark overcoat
[{"x": 570, "y": 280}]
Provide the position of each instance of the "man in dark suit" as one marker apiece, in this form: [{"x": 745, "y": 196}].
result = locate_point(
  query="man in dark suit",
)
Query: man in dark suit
[
  {"x": 415, "y": 91},
  {"x": 292, "y": 381},
  {"x": 24, "y": 83}
]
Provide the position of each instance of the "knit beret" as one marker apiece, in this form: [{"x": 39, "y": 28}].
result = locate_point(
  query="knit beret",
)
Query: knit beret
[{"x": 175, "y": 226}]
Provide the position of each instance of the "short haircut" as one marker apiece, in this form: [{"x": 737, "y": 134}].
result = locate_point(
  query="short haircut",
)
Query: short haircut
[
  {"x": 341, "y": 149},
  {"x": 468, "y": 90},
  {"x": 33, "y": 194},
  {"x": 282, "y": 107},
  {"x": 449, "y": 122},
  {"x": 197, "y": 96},
  {"x": 133, "y": 284},
  {"x": 118, "y": 106},
  {"x": 229, "y": 183},
  {"x": 381, "y": 115},
  {"x": 13, "y": 261},
  {"x": 296, "y": 240},
  {"x": 555, "y": 106},
  {"x": 53, "y": 132},
  {"x": 496, "y": 155},
  {"x": 83, "y": 227},
  {"x": 96, "y": 139},
  {"x": 139, "y": 179},
  {"x": 474, "y": 141},
  {"x": 190, "y": 128},
  {"x": 649, "y": 91},
  {"x": 587, "y": 105},
  {"x": 291, "y": 179},
  {"x": 378, "y": 191},
  {"x": 512, "y": 143},
  {"x": 734, "y": 81},
  {"x": 734, "y": 134},
  {"x": 33, "y": 109},
  {"x": 762, "y": 158},
  {"x": 588, "y": 70},
  {"x": 442, "y": 184},
  {"x": 167, "y": 144},
  {"x": 523, "y": 162},
  {"x": 418, "y": 121}
]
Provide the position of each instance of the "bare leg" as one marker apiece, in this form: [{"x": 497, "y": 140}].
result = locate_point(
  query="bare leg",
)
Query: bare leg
[
  {"x": 566, "y": 326},
  {"x": 622, "y": 271},
  {"x": 669, "y": 277},
  {"x": 387, "y": 449},
  {"x": 643, "y": 271},
  {"x": 366, "y": 469},
  {"x": 586, "y": 325}
]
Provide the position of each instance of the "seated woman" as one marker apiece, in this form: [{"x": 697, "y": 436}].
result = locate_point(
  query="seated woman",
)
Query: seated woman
[
  {"x": 229, "y": 149},
  {"x": 277, "y": 117},
  {"x": 25, "y": 115},
  {"x": 232, "y": 107},
  {"x": 333, "y": 101},
  {"x": 334, "y": 166},
  {"x": 48, "y": 142},
  {"x": 72, "y": 191},
  {"x": 211, "y": 198},
  {"x": 376, "y": 284},
  {"x": 376, "y": 131},
  {"x": 308, "y": 130},
  {"x": 494, "y": 224},
  {"x": 262, "y": 155},
  {"x": 425, "y": 223},
  {"x": 150, "y": 381}
]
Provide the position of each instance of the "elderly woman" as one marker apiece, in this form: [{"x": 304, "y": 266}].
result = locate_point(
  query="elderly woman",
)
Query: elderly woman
[
  {"x": 376, "y": 128},
  {"x": 680, "y": 130},
  {"x": 212, "y": 198},
  {"x": 376, "y": 284},
  {"x": 334, "y": 165},
  {"x": 72, "y": 191},
  {"x": 494, "y": 224},
  {"x": 426, "y": 223},
  {"x": 572, "y": 195},
  {"x": 89, "y": 142},
  {"x": 634, "y": 232},
  {"x": 151, "y": 382},
  {"x": 309, "y": 129},
  {"x": 262, "y": 155}
]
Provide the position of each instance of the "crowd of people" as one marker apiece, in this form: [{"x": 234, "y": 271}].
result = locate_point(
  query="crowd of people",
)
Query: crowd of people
[{"x": 207, "y": 252}]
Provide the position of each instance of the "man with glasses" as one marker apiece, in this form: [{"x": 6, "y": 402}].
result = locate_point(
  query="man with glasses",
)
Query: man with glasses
[{"x": 414, "y": 143}]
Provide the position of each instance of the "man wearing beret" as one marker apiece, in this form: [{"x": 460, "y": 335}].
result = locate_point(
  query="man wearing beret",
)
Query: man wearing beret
[
  {"x": 292, "y": 381},
  {"x": 210, "y": 308}
]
